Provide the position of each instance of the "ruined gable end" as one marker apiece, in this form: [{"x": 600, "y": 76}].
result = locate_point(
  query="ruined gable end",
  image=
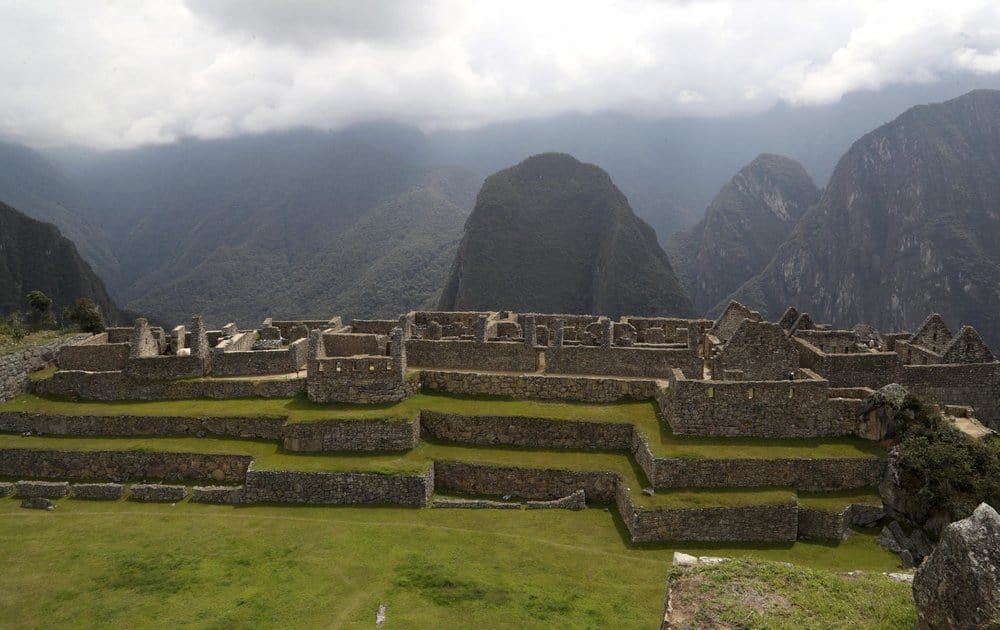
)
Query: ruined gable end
[
  {"x": 731, "y": 319},
  {"x": 788, "y": 319},
  {"x": 933, "y": 334},
  {"x": 967, "y": 347},
  {"x": 760, "y": 350},
  {"x": 802, "y": 322}
]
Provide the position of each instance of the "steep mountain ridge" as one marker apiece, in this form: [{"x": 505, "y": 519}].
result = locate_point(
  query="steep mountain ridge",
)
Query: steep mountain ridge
[
  {"x": 35, "y": 256},
  {"x": 555, "y": 235},
  {"x": 907, "y": 225},
  {"x": 746, "y": 222}
]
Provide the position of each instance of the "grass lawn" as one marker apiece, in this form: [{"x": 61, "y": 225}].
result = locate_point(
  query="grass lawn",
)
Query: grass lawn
[
  {"x": 9, "y": 345},
  {"x": 131, "y": 565},
  {"x": 836, "y": 501},
  {"x": 641, "y": 414},
  {"x": 754, "y": 594}
]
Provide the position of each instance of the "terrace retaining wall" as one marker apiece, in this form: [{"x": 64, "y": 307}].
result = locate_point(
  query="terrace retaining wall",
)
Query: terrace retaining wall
[
  {"x": 528, "y": 483},
  {"x": 266, "y": 428},
  {"x": 15, "y": 367},
  {"x": 750, "y": 523},
  {"x": 352, "y": 435},
  {"x": 818, "y": 475},
  {"x": 119, "y": 386},
  {"x": 338, "y": 488},
  {"x": 525, "y": 431},
  {"x": 119, "y": 465},
  {"x": 539, "y": 386}
]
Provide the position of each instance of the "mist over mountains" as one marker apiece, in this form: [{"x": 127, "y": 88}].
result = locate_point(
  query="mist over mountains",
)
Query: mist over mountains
[{"x": 366, "y": 221}]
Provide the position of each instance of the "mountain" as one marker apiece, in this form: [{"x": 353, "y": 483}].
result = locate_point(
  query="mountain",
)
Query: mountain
[
  {"x": 555, "y": 235},
  {"x": 39, "y": 189},
  {"x": 743, "y": 226},
  {"x": 292, "y": 224},
  {"x": 908, "y": 224},
  {"x": 36, "y": 256}
]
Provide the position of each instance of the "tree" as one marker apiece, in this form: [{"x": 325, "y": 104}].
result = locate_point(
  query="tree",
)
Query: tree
[
  {"x": 87, "y": 315},
  {"x": 41, "y": 310}
]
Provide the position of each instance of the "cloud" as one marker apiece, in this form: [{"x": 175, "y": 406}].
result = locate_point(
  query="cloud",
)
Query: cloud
[
  {"x": 113, "y": 74},
  {"x": 314, "y": 23}
]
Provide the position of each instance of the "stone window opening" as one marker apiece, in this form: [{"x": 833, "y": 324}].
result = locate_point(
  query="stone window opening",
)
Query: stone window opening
[
  {"x": 791, "y": 392},
  {"x": 338, "y": 366},
  {"x": 750, "y": 394},
  {"x": 711, "y": 392}
]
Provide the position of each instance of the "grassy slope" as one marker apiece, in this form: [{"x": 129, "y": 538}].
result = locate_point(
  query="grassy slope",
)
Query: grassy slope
[
  {"x": 141, "y": 565},
  {"x": 641, "y": 414},
  {"x": 771, "y": 595},
  {"x": 8, "y": 345}
]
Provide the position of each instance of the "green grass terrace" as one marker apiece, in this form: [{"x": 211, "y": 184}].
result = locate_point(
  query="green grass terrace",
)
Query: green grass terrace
[{"x": 643, "y": 415}]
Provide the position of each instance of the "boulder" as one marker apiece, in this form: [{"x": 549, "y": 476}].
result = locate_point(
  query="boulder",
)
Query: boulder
[
  {"x": 880, "y": 415},
  {"x": 958, "y": 586},
  {"x": 37, "y": 503}
]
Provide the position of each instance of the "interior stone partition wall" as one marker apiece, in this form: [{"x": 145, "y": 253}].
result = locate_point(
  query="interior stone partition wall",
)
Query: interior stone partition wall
[{"x": 506, "y": 356}]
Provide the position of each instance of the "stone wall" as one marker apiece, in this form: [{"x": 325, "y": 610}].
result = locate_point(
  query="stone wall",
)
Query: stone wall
[
  {"x": 818, "y": 524},
  {"x": 373, "y": 326},
  {"x": 857, "y": 369},
  {"x": 750, "y": 523},
  {"x": 349, "y": 345},
  {"x": 367, "y": 380},
  {"x": 622, "y": 361},
  {"x": 98, "y": 491},
  {"x": 94, "y": 357},
  {"x": 119, "y": 386},
  {"x": 15, "y": 367},
  {"x": 758, "y": 350},
  {"x": 504, "y": 356},
  {"x": 525, "y": 432},
  {"x": 118, "y": 465},
  {"x": 154, "y": 492},
  {"x": 352, "y": 435},
  {"x": 539, "y": 386},
  {"x": 528, "y": 483},
  {"x": 975, "y": 384},
  {"x": 809, "y": 475},
  {"x": 338, "y": 488},
  {"x": 795, "y": 408},
  {"x": 118, "y": 334},
  {"x": 286, "y": 326},
  {"x": 261, "y": 362},
  {"x": 267, "y": 428},
  {"x": 165, "y": 367}
]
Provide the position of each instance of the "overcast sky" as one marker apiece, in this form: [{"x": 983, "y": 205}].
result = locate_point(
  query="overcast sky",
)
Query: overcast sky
[{"x": 120, "y": 73}]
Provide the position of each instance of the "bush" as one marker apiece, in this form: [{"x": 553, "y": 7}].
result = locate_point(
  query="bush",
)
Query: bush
[
  {"x": 12, "y": 327},
  {"x": 87, "y": 315},
  {"x": 945, "y": 468}
]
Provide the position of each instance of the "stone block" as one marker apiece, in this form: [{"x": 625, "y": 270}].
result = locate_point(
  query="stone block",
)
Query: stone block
[
  {"x": 575, "y": 501},
  {"x": 229, "y": 495},
  {"x": 98, "y": 491},
  {"x": 158, "y": 492},
  {"x": 47, "y": 489}
]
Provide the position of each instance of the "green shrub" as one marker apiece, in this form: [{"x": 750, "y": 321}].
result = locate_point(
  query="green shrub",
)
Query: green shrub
[{"x": 943, "y": 466}]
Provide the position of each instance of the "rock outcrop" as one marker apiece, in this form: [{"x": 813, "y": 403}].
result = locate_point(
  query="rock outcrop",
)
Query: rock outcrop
[
  {"x": 36, "y": 256},
  {"x": 958, "y": 586},
  {"x": 555, "y": 235}
]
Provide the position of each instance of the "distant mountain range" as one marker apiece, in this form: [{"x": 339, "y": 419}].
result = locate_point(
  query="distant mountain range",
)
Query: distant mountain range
[
  {"x": 743, "y": 227},
  {"x": 908, "y": 224},
  {"x": 366, "y": 221},
  {"x": 554, "y": 235}
]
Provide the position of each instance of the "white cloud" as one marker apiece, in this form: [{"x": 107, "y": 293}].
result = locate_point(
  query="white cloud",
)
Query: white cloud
[{"x": 119, "y": 74}]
